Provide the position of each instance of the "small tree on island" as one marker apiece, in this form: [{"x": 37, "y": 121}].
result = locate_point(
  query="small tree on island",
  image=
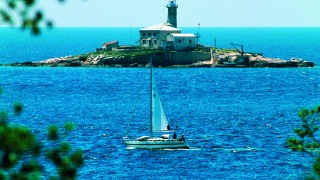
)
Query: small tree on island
[
  {"x": 308, "y": 137},
  {"x": 21, "y": 153}
]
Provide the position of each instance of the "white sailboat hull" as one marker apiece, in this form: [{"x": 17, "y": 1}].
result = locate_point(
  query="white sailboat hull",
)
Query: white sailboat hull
[
  {"x": 156, "y": 144},
  {"x": 158, "y": 123}
]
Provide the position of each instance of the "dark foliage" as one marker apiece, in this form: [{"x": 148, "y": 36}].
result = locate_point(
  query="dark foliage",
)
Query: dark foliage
[
  {"x": 21, "y": 151},
  {"x": 30, "y": 18},
  {"x": 307, "y": 139}
]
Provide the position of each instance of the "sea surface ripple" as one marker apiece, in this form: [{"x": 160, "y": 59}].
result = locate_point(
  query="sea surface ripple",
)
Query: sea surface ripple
[{"x": 236, "y": 121}]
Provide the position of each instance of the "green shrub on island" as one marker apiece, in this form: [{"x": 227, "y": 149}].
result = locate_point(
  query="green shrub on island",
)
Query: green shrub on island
[
  {"x": 135, "y": 53},
  {"x": 83, "y": 57}
]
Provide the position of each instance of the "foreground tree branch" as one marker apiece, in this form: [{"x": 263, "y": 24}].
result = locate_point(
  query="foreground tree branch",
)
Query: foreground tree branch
[
  {"x": 21, "y": 153},
  {"x": 308, "y": 137},
  {"x": 24, "y": 13}
]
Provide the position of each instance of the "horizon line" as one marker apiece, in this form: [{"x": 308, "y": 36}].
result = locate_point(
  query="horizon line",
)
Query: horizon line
[{"x": 178, "y": 27}]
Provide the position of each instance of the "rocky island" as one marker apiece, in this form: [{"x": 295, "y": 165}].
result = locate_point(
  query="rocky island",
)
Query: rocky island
[
  {"x": 139, "y": 57},
  {"x": 169, "y": 47}
]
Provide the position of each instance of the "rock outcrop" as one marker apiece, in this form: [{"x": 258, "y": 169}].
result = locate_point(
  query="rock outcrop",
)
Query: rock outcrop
[{"x": 256, "y": 60}]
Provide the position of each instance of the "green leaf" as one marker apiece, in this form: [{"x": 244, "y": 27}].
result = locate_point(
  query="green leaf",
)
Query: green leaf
[
  {"x": 29, "y": 2},
  {"x": 2, "y": 174},
  {"x": 17, "y": 139},
  {"x": 36, "y": 150},
  {"x": 316, "y": 167},
  {"x": 76, "y": 157},
  {"x": 65, "y": 147},
  {"x": 13, "y": 158},
  {"x": 68, "y": 173},
  {"x": 38, "y": 16},
  {"x": 9, "y": 160},
  {"x": 49, "y": 24},
  {"x": 35, "y": 29},
  {"x": 54, "y": 156},
  {"x": 12, "y": 4},
  {"x": 69, "y": 126},
  {"x": 300, "y": 132},
  {"x": 303, "y": 113},
  {"x": 3, "y": 117},
  {"x": 53, "y": 133},
  {"x": 18, "y": 107},
  {"x": 6, "y": 17},
  {"x": 65, "y": 162},
  {"x": 32, "y": 166}
]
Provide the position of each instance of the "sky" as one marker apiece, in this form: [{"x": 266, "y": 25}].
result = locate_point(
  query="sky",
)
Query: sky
[{"x": 209, "y": 13}]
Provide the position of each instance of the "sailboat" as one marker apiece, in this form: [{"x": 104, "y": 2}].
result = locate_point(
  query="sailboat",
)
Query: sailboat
[{"x": 158, "y": 124}]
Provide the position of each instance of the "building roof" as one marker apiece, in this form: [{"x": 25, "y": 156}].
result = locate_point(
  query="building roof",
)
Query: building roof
[
  {"x": 183, "y": 35},
  {"x": 160, "y": 27},
  {"x": 111, "y": 42}
]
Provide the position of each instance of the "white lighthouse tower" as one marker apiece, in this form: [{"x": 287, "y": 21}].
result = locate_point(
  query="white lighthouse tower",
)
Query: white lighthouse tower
[{"x": 172, "y": 13}]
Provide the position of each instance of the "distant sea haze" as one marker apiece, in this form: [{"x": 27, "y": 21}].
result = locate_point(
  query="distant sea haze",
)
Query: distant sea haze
[{"x": 284, "y": 43}]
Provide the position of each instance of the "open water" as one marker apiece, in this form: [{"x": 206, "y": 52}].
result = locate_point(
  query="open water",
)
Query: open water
[{"x": 236, "y": 121}]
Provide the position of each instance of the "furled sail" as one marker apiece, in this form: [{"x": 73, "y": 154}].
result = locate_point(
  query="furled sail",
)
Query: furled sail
[{"x": 159, "y": 120}]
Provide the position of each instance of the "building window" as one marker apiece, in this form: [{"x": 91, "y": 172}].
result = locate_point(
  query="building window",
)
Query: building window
[
  {"x": 154, "y": 34},
  {"x": 143, "y": 34},
  {"x": 190, "y": 41},
  {"x": 143, "y": 41},
  {"x": 155, "y": 41},
  {"x": 179, "y": 40},
  {"x": 149, "y": 34}
]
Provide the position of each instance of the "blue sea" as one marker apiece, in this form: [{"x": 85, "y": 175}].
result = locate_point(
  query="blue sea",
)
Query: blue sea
[{"x": 236, "y": 121}]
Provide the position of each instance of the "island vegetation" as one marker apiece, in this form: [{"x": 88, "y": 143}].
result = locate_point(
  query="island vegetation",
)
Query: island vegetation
[{"x": 135, "y": 56}]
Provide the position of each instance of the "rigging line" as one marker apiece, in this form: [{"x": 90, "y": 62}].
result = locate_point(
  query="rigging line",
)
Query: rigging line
[{"x": 135, "y": 104}]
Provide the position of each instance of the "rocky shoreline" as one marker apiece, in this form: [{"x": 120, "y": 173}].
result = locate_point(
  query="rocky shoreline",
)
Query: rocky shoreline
[
  {"x": 256, "y": 60},
  {"x": 140, "y": 58}
]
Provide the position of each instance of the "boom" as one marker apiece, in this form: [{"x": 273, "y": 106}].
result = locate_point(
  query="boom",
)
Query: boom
[{"x": 240, "y": 51}]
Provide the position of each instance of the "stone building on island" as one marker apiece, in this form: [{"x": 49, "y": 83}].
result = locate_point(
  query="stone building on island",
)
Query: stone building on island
[
  {"x": 110, "y": 45},
  {"x": 166, "y": 35},
  {"x": 182, "y": 42},
  {"x": 155, "y": 36}
]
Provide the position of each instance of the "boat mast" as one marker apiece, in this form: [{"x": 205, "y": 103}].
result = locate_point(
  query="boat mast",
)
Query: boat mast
[{"x": 151, "y": 98}]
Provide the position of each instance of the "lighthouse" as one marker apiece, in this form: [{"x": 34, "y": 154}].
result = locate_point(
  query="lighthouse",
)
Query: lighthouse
[
  {"x": 167, "y": 36},
  {"x": 172, "y": 13}
]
